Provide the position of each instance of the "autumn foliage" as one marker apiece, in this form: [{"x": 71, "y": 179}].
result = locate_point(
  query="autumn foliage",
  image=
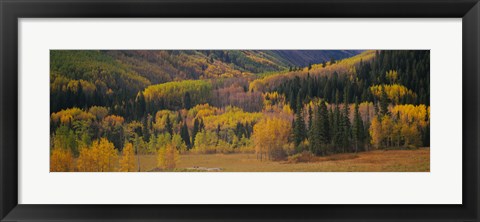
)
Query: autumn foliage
[
  {"x": 127, "y": 160},
  {"x": 61, "y": 160},
  {"x": 111, "y": 110},
  {"x": 100, "y": 157},
  {"x": 270, "y": 136},
  {"x": 167, "y": 157}
]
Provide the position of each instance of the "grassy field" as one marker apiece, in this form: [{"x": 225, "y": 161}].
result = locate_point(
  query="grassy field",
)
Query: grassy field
[{"x": 373, "y": 161}]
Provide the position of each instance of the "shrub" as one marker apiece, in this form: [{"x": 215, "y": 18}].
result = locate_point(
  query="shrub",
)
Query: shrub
[{"x": 303, "y": 157}]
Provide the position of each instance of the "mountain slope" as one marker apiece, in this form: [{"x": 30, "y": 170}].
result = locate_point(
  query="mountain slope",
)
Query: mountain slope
[
  {"x": 118, "y": 75},
  {"x": 306, "y": 57}
]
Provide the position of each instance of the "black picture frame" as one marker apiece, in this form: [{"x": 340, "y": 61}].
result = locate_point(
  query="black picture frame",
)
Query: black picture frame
[{"x": 11, "y": 11}]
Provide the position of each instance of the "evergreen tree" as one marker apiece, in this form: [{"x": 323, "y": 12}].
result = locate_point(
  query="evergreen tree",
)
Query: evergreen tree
[
  {"x": 346, "y": 123},
  {"x": 185, "y": 135},
  {"x": 81, "y": 97},
  {"x": 293, "y": 103},
  {"x": 358, "y": 129},
  {"x": 331, "y": 132},
  {"x": 314, "y": 135},
  {"x": 383, "y": 103},
  {"x": 217, "y": 131},
  {"x": 239, "y": 130},
  {"x": 187, "y": 101},
  {"x": 324, "y": 125},
  {"x": 145, "y": 127},
  {"x": 299, "y": 131},
  {"x": 169, "y": 125},
  {"x": 337, "y": 126},
  {"x": 140, "y": 105},
  {"x": 310, "y": 118},
  {"x": 196, "y": 129}
]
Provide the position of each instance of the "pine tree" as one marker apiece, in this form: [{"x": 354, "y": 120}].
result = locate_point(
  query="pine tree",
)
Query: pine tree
[
  {"x": 217, "y": 131},
  {"x": 358, "y": 130},
  {"x": 299, "y": 131},
  {"x": 292, "y": 102},
  {"x": 310, "y": 118},
  {"x": 314, "y": 135},
  {"x": 140, "y": 105},
  {"x": 324, "y": 125},
  {"x": 337, "y": 127},
  {"x": 383, "y": 102},
  {"x": 187, "y": 101},
  {"x": 330, "y": 126},
  {"x": 346, "y": 122},
  {"x": 185, "y": 135},
  {"x": 196, "y": 129},
  {"x": 145, "y": 127},
  {"x": 168, "y": 125},
  {"x": 239, "y": 130},
  {"x": 81, "y": 97}
]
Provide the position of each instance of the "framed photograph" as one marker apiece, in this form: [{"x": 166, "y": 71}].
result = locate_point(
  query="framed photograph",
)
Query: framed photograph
[{"x": 227, "y": 110}]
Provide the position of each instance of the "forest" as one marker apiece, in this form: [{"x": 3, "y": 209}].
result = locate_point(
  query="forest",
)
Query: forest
[{"x": 239, "y": 110}]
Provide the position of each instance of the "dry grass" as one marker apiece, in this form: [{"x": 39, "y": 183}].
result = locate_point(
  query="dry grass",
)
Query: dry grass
[{"x": 373, "y": 161}]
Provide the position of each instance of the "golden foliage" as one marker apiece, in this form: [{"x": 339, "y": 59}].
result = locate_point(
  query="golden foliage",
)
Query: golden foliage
[
  {"x": 392, "y": 76},
  {"x": 202, "y": 110},
  {"x": 343, "y": 66},
  {"x": 395, "y": 92},
  {"x": 100, "y": 157},
  {"x": 87, "y": 87},
  {"x": 61, "y": 160},
  {"x": 127, "y": 161},
  {"x": 270, "y": 135},
  {"x": 161, "y": 119},
  {"x": 170, "y": 92},
  {"x": 400, "y": 129},
  {"x": 67, "y": 116},
  {"x": 412, "y": 114},
  {"x": 230, "y": 118},
  {"x": 167, "y": 157}
]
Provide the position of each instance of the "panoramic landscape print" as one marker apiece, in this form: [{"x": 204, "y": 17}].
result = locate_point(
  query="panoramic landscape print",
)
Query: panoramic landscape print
[{"x": 239, "y": 111}]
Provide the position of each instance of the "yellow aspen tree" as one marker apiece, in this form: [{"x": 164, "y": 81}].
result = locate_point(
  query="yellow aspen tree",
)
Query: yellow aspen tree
[
  {"x": 85, "y": 162},
  {"x": 270, "y": 135},
  {"x": 392, "y": 76},
  {"x": 167, "y": 157},
  {"x": 61, "y": 160},
  {"x": 101, "y": 157},
  {"x": 127, "y": 161},
  {"x": 387, "y": 130},
  {"x": 261, "y": 138},
  {"x": 410, "y": 119},
  {"x": 376, "y": 133}
]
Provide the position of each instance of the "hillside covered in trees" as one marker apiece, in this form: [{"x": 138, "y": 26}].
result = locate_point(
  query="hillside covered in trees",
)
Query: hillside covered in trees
[{"x": 112, "y": 110}]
